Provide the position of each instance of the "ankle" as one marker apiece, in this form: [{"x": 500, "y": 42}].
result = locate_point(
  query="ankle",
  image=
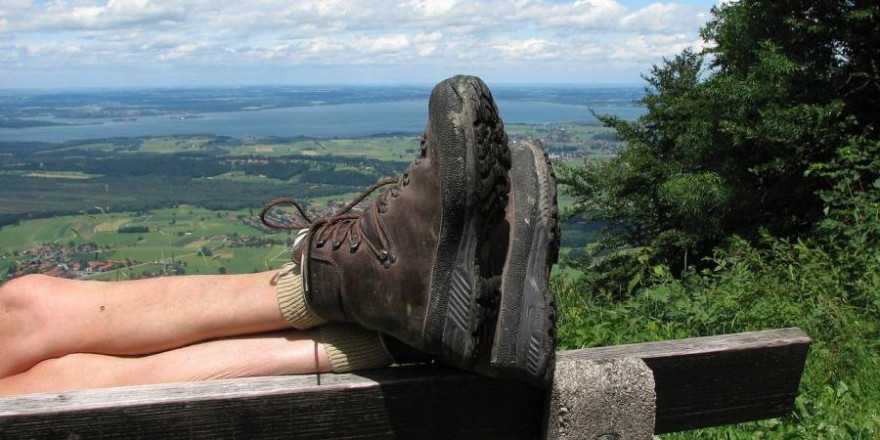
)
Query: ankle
[
  {"x": 292, "y": 300},
  {"x": 349, "y": 347}
]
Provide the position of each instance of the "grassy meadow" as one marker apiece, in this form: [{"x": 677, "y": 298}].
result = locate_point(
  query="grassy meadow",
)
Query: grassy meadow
[
  {"x": 180, "y": 233},
  {"x": 385, "y": 148},
  {"x": 192, "y": 193}
]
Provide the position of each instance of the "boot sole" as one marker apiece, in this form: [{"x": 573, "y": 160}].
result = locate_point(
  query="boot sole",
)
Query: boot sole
[
  {"x": 474, "y": 159},
  {"x": 525, "y": 335}
]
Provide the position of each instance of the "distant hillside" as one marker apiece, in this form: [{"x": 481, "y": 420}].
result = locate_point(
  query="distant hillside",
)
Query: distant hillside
[{"x": 126, "y": 103}]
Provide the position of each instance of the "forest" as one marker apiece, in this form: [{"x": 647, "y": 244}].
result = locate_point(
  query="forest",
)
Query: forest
[
  {"x": 748, "y": 197},
  {"x": 45, "y": 179}
]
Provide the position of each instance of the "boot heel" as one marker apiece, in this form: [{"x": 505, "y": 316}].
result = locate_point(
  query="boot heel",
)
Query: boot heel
[
  {"x": 471, "y": 317},
  {"x": 525, "y": 337}
]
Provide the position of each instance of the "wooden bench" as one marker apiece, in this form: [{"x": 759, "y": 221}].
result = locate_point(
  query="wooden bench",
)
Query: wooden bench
[{"x": 698, "y": 382}]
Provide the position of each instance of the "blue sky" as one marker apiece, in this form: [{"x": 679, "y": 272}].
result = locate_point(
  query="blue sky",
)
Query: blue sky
[{"x": 135, "y": 43}]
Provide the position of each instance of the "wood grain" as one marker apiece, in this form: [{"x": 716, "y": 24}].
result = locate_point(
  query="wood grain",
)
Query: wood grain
[{"x": 700, "y": 382}]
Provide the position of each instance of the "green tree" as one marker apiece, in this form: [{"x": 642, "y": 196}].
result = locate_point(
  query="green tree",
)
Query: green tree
[{"x": 727, "y": 146}]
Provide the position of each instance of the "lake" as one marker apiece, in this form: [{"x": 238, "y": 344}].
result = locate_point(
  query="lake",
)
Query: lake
[{"x": 342, "y": 120}]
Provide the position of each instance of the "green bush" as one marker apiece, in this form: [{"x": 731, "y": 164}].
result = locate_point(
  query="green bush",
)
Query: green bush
[{"x": 830, "y": 290}]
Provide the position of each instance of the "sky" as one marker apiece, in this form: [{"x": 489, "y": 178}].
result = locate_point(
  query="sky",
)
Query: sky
[{"x": 144, "y": 43}]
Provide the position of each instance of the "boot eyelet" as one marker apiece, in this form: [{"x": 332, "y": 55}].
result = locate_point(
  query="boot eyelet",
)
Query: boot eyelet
[
  {"x": 337, "y": 245},
  {"x": 395, "y": 192},
  {"x": 382, "y": 208},
  {"x": 386, "y": 258},
  {"x": 354, "y": 241},
  {"x": 405, "y": 179},
  {"x": 320, "y": 243}
]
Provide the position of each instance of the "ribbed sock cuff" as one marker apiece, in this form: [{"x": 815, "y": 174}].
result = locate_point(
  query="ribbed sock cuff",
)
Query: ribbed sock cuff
[
  {"x": 351, "y": 348},
  {"x": 292, "y": 300}
]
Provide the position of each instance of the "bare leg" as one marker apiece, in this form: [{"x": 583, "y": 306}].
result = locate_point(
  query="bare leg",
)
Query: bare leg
[
  {"x": 43, "y": 317},
  {"x": 286, "y": 352}
]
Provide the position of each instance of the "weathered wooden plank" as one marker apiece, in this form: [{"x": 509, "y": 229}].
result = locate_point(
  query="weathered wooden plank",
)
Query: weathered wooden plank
[
  {"x": 718, "y": 380},
  {"x": 425, "y": 401},
  {"x": 736, "y": 342},
  {"x": 699, "y": 382}
]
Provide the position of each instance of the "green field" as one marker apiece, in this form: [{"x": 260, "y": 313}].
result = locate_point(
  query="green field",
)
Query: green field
[
  {"x": 168, "y": 145},
  {"x": 380, "y": 148},
  {"x": 88, "y": 190},
  {"x": 385, "y": 148},
  {"x": 180, "y": 233},
  {"x": 400, "y": 147},
  {"x": 127, "y": 174},
  {"x": 545, "y": 131}
]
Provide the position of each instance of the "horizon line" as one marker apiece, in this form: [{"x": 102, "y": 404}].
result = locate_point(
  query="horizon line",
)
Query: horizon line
[{"x": 313, "y": 85}]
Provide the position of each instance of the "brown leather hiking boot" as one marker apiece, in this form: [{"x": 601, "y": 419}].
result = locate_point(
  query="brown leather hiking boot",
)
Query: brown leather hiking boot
[
  {"x": 411, "y": 264},
  {"x": 524, "y": 342},
  {"x": 525, "y": 247}
]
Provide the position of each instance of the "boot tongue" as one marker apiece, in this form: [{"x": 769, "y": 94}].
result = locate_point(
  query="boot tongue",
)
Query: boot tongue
[{"x": 299, "y": 241}]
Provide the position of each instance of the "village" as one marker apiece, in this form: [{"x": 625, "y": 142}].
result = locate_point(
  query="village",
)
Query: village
[
  {"x": 91, "y": 260},
  {"x": 73, "y": 261}
]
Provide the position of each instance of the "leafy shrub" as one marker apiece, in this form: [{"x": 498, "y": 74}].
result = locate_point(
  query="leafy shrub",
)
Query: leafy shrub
[{"x": 830, "y": 289}]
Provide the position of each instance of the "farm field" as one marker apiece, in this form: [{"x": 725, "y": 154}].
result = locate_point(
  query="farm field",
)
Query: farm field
[
  {"x": 388, "y": 148},
  {"x": 72, "y": 203},
  {"x": 169, "y": 241},
  {"x": 124, "y": 174},
  {"x": 385, "y": 148},
  {"x": 198, "y": 240}
]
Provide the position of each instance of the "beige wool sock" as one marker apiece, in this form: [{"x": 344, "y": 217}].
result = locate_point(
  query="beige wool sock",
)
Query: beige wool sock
[
  {"x": 292, "y": 300},
  {"x": 350, "y": 347}
]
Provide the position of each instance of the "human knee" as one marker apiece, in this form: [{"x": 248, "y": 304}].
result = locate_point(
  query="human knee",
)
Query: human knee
[
  {"x": 27, "y": 305},
  {"x": 17, "y": 291},
  {"x": 23, "y": 292},
  {"x": 23, "y": 340}
]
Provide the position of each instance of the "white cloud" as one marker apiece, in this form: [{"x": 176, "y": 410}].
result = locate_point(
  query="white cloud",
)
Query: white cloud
[
  {"x": 179, "y": 51},
  {"x": 653, "y": 46},
  {"x": 659, "y": 17},
  {"x": 382, "y": 43},
  {"x": 469, "y": 33},
  {"x": 433, "y": 36},
  {"x": 430, "y": 8},
  {"x": 116, "y": 14},
  {"x": 528, "y": 49},
  {"x": 595, "y": 14}
]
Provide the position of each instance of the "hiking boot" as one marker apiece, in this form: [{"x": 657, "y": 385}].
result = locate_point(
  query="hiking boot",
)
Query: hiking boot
[
  {"x": 412, "y": 264},
  {"x": 524, "y": 340},
  {"x": 525, "y": 247}
]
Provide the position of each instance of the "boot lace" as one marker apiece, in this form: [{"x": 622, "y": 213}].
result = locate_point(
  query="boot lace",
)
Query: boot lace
[{"x": 344, "y": 226}]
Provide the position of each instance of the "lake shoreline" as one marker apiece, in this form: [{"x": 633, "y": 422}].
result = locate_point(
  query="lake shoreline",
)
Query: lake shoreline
[{"x": 303, "y": 122}]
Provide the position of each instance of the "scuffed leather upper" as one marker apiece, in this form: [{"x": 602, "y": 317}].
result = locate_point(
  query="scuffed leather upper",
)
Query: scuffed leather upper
[{"x": 387, "y": 292}]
